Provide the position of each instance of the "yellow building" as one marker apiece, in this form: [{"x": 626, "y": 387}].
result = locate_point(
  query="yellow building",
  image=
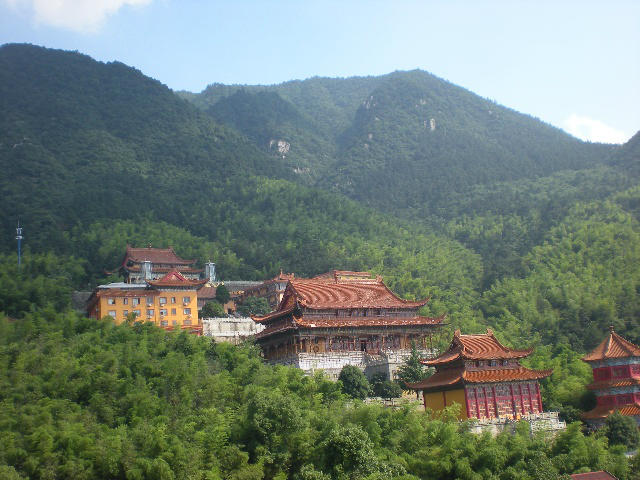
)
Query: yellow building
[{"x": 169, "y": 302}]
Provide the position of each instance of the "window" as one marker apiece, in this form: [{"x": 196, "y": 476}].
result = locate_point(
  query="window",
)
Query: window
[
  {"x": 187, "y": 322},
  {"x": 125, "y": 313},
  {"x": 149, "y": 300},
  {"x": 135, "y": 301},
  {"x": 150, "y": 312},
  {"x": 173, "y": 299},
  {"x": 173, "y": 311},
  {"x": 174, "y": 322},
  {"x": 125, "y": 301},
  {"x": 493, "y": 363},
  {"x": 186, "y": 299},
  {"x": 163, "y": 300},
  {"x": 111, "y": 301},
  {"x": 187, "y": 311},
  {"x": 164, "y": 323},
  {"x": 136, "y": 313},
  {"x": 112, "y": 313},
  {"x": 619, "y": 371},
  {"x": 163, "y": 312}
]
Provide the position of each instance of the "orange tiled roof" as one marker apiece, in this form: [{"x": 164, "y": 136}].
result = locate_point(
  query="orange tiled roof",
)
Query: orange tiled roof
[
  {"x": 626, "y": 382},
  {"x": 603, "y": 411},
  {"x": 476, "y": 347},
  {"x": 207, "y": 292},
  {"x": 454, "y": 376},
  {"x": 614, "y": 346},
  {"x": 277, "y": 328},
  {"x": 336, "y": 322},
  {"x": 325, "y": 293},
  {"x": 154, "y": 255},
  {"x": 175, "y": 279},
  {"x": 274, "y": 315},
  {"x": 345, "y": 322},
  {"x": 281, "y": 277},
  {"x": 600, "y": 475}
]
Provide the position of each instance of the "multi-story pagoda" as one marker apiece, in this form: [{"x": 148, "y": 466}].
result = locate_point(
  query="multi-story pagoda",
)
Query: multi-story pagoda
[
  {"x": 616, "y": 379},
  {"x": 484, "y": 377},
  {"x": 344, "y": 318},
  {"x": 142, "y": 264}
]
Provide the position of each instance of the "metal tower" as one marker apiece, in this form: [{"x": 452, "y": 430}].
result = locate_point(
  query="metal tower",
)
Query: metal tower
[{"x": 19, "y": 239}]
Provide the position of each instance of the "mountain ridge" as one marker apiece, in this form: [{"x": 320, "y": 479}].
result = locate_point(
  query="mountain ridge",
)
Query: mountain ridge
[{"x": 388, "y": 131}]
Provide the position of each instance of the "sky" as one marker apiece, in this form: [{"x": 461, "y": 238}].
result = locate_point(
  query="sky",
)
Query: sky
[{"x": 573, "y": 64}]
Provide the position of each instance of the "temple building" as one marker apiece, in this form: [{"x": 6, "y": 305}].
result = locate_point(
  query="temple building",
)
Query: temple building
[
  {"x": 148, "y": 263},
  {"x": 207, "y": 293},
  {"x": 344, "y": 318},
  {"x": 616, "y": 379},
  {"x": 168, "y": 302},
  {"x": 484, "y": 377},
  {"x": 272, "y": 290}
]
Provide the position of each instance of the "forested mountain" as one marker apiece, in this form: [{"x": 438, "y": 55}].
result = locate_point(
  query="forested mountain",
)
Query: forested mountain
[
  {"x": 82, "y": 140},
  {"x": 503, "y": 221},
  {"x": 400, "y": 141},
  {"x": 97, "y": 155},
  {"x": 91, "y": 150}
]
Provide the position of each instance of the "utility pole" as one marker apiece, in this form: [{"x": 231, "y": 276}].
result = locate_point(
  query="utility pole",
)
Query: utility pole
[{"x": 19, "y": 239}]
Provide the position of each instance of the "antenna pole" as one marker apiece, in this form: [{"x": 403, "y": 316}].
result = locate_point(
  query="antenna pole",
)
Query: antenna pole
[{"x": 19, "y": 239}]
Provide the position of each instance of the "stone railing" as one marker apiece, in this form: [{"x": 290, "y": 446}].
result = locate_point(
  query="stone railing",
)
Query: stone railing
[{"x": 538, "y": 422}]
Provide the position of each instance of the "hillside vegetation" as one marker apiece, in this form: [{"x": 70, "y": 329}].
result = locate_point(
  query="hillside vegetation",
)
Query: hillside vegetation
[
  {"x": 503, "y": 221},
  {"x": 84, "y": 399},
  {"x": 398, "y": 141}
]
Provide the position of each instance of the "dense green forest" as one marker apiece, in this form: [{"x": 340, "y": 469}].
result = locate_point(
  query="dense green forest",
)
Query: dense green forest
[
  {"x": 503, "y": 221},
  {"x": 400, "y": 141},
  {"x": 84, "y": 399}
]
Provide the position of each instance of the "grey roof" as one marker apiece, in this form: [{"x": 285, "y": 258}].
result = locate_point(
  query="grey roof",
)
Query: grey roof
[
  {"x": 235, "y": 285},
  {"x": 123, "y": 285}
]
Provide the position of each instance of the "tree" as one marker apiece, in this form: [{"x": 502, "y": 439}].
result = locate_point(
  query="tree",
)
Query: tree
[
  {"x": 254, "y": 306},
  {"x": 383, "y": 387},
  {"x": 222, "y": 294},
  {"x": 622, "y": 430},
  {"x": 412, "y": 370},
  {"x": 212, "y": 310},
  {"x": 354, "y": 382}
]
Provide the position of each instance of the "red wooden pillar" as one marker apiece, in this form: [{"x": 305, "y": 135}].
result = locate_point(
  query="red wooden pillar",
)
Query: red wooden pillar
[
  {"x": 530, "y": 398},
  {"x": 486, "y": 402},
  {"x": 495, "y": 401},
  {"x": 539, "y": 397},
  {"x": 466, "y": 400}
]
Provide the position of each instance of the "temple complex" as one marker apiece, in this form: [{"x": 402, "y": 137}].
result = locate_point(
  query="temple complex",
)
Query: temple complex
[
  {"x": 344, "y": 318},
  {"x": 168, "y": 302},
  {"x": 484, "y": 377},
  {"x": 272, "y": 290},
  {"x": 616, "y": 379},
  {"x": 148, "y": 263}
]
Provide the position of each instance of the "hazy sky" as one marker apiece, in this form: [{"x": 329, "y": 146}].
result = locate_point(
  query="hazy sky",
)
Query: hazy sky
[{"x": 574, "y": 64}]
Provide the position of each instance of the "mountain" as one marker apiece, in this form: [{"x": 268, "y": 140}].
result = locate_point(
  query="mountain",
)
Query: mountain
[
  {"x": 82, "y": 140},
  {"x": 97, "y": 155},
  {"x": 398, "y": 141}
]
